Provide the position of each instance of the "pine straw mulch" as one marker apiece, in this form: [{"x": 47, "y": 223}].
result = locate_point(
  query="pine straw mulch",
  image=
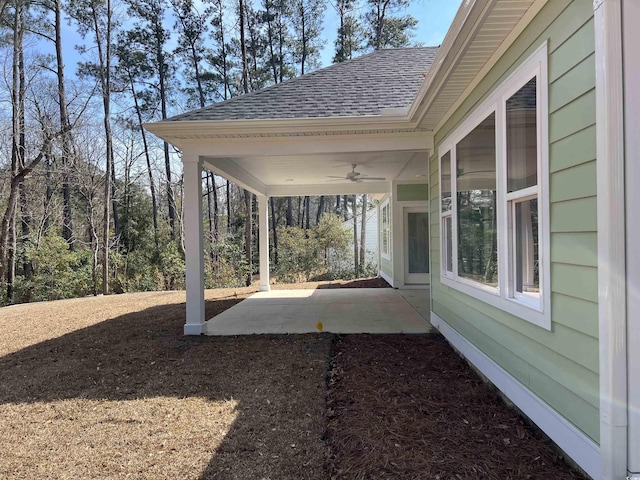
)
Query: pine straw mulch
[
  {"x": 408, "y": 407},
  {"x": 109, "y": 388}
]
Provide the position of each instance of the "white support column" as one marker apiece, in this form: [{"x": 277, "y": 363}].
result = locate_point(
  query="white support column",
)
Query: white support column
[
  {"x": 263, "y": 228},
  {"x": 611, "y": 239},
  {"x": 194, "y": 261},
  {"x": 631, "y": 40}
]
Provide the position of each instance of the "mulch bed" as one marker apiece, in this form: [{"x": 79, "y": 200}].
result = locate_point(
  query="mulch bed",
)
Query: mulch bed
[{"x": 408, "y": 407}]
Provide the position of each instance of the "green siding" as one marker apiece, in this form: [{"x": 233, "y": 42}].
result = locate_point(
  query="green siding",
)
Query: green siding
[
  {"x": 575, "y": 182},
  {"x": 561, "y": 365},
  {"x": 573, "y": 150},
  {"x": 412, "y": 192},
  {"x": 386, "y": 266},
  {"x": 576, "y": 248},
  {"x": 572, "y": 117}
]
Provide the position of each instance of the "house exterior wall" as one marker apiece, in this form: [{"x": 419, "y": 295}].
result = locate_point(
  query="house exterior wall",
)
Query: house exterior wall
[
  {"x": 413, "y": 192},
  {"x": 559, "y": 366},
  {"x": 406, "y": 194}
]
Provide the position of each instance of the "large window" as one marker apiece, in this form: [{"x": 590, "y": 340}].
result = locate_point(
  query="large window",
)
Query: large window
[{"x": 494, "y": 198}]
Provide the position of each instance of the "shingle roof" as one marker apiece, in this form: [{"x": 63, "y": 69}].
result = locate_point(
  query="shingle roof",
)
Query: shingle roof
[{"x": 362, "y": 86}]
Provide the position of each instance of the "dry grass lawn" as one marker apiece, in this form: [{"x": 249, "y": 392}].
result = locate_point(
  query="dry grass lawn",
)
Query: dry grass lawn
[{"x": 108, "y": 387}]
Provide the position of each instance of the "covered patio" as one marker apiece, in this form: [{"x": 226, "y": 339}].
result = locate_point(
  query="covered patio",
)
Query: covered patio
[
  {"x": 349, "y": 310},
  {"x": 341, "y": 130}
]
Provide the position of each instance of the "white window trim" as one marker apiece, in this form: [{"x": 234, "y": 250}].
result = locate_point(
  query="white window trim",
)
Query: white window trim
[
  {"x": 385, "y": 233},
  {"x": 537, "y": 312}
]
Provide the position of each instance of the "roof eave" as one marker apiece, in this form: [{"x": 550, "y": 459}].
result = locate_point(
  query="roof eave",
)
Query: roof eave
[
  {"x": 175, "y": 131},
  {"x": 464, "y": 28}
]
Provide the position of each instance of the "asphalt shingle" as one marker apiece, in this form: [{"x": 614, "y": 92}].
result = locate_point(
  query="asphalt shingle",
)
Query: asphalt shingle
[{"x": 362, "y": 86}]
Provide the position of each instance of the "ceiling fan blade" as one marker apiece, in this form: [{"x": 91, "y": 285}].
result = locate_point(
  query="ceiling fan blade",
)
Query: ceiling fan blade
[
  {"x": 376, "y": 179},
  {"x": 335, "y": 176}
]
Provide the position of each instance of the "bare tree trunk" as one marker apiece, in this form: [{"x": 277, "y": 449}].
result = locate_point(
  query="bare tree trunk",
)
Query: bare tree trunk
[
  {"x": 274, "y": 228},
  {"x": 25, "y": 228},
  {"x": 209, "y": 216},
  {"x": 337, "y": 209},
  {"x": 289, "y": 212},
  {"x": 48, "y": 194},
  {"x": 215, "y": 206},
  {"x": 67, "y": 141},
  {"x": 320, "y": 209},
  {"x": 346, "y": 207},
  {"x": 104, "y": 55},
  {"x": 248, "y": 235},
  {"x": 9, "y": 244},
  {"x": 363, "y": 233},
  {"x": 243, "y": 47},
  {"x": 152, "y": 186},
  {"x": 228, "y": 207},
  {"x": 307, "y": 207},
  {"x": 356, "y": 267}
]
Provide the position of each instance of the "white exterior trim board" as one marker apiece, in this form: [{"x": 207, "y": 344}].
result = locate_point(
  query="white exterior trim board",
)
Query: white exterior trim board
[
  {"x": 575, "y": 443},
  {"x": 612, "y": 312},
  {"x": 631, "y": 20}
]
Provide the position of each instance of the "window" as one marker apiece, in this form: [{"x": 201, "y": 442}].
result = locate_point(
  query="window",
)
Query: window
[
  {"x": 445, "y": 213},
  {"x": 494, "y": 206},
  {"x": 385, "y": 230}
]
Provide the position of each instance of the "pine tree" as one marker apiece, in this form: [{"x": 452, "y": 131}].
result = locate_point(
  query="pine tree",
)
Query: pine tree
[
  {"x": 384, "y": 28},
  {"x": 306, "y": 18},
  {"x": 350, "y": 33}
]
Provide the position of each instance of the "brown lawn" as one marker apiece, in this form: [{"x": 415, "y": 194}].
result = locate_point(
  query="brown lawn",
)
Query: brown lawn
[{"x": 108, "y": 387}]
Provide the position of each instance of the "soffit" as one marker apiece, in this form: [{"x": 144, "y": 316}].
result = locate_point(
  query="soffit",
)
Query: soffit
[{"x": 480, "y": 33}]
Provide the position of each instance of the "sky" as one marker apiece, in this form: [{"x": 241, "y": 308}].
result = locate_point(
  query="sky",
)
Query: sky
[{"x": 434, "y": 18}]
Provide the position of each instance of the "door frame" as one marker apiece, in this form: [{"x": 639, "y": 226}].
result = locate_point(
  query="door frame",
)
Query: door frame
[{"x": 417, "y": 279}]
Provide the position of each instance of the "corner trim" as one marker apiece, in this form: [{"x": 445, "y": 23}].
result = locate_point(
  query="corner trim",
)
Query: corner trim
[
  {"x": 584, "y": 451},
  {"x": 612, "y": 296}
]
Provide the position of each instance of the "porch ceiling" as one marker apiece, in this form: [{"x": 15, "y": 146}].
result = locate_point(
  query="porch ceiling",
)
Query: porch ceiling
[{"x": 312, "y": 174}]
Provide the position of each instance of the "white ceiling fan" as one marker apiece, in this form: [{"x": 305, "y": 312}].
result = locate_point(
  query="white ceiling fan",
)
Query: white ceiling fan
[{"x": 355, "y": 177}]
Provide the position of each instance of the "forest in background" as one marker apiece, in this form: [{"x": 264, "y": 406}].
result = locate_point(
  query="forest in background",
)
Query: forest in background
[{"x": 91, "y": 203}]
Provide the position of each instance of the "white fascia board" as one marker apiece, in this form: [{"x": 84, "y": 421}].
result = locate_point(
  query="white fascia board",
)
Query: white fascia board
[
  {"x": 176, "y": 130},
  {"x": 335, "y": 189},
  {"x": 311, "y": 144},
  {"x": 231, "y": 171}
]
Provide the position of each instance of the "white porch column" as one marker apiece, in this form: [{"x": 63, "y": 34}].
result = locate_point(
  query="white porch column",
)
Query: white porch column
[
  {"x": 194, "y": 261},
  {"x": 263, "y": 227}
]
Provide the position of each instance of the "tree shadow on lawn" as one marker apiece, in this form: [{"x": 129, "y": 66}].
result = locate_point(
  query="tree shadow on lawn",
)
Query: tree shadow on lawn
[{"x": 277, "y": 382}]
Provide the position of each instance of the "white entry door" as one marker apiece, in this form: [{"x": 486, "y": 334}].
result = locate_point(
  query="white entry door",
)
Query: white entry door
[{"x": 416, "y": 245}]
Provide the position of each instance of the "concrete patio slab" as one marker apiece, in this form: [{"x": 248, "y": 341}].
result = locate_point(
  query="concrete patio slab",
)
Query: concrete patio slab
[{"x": 357, "y": 310}]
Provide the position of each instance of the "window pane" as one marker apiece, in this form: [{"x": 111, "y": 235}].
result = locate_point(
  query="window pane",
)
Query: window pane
[
  {"x": 445, "y": 181},
  {"x": 418, "y": 242},
  {"x": 385, "y": 229},
  {"x": 527, "y": 274},
  {"x": 476, "y": 201},
  {"x": 448, "y": 235},
  {"x": 522, "y": 138}
]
